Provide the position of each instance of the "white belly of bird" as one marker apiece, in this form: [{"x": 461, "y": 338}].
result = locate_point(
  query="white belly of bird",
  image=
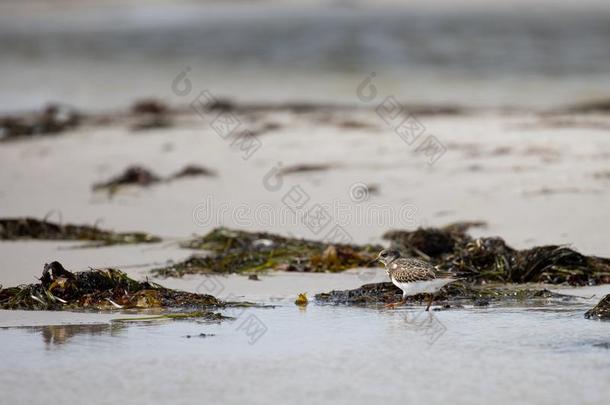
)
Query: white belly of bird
[{"x": 420, "y": 287}]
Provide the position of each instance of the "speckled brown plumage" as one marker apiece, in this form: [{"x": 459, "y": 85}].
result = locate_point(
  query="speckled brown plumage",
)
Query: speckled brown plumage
[{"x": 408, "y": 270}]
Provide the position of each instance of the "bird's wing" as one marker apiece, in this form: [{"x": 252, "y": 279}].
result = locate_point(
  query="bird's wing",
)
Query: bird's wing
[{"x": 411, "y": 270}]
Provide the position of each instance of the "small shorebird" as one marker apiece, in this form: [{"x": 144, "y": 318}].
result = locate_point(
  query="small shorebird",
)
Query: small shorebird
[{"x": 412, "y": 276}]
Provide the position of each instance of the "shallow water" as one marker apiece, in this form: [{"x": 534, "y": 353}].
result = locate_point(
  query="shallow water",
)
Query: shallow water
[{"x": 348, "y": 355}]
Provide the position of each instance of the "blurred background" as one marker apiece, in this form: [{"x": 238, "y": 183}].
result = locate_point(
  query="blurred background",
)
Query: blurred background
[{"x": 103, "y": 54}]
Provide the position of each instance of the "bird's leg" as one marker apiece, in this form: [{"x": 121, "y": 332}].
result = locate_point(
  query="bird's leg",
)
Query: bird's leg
[{"x": 430, "y": 299}]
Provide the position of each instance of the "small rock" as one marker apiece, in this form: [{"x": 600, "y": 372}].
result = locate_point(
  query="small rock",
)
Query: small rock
[{"x": 254, "y": 277}]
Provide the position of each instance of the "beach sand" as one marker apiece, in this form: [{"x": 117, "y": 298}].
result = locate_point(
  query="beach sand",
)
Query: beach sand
[{"x": 533, "y": 182}]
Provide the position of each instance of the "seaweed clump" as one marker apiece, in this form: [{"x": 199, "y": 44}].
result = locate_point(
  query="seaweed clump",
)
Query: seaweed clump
[
  {"x": 150, "y": 114},
  {"x": 305, "y": 168},
  {"x": 457, "y": 293},
  {"x": 192, "y": 171},
  {"x": 31, "y": 228},
  {"x": 140, "y": 176},
  {"x": 53, "y": 119},
  {"x": 240, "y": 251},
  {"x": 601, "y": 311},
  {"x": 133, "y": 175},
  {"x": 592, "y": 106},
  {"x": 100, "y": 289},
  {"x": 487, "y": 259}
]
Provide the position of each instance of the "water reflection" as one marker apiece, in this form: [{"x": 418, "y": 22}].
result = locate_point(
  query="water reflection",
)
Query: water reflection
[{"x": 55, "y": 335}]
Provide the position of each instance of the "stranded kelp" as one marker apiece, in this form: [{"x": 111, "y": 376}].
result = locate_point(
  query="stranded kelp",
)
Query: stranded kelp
[
  {"x": 601, "y": 106},
  {"x": 150, "y": 114},
  {"x": 53, "y": 119},
  {"x": 449, "y": 248},
  {"x": 601, "y": 311},
  {"x": 140, "y": 176},
  {"x": 455, "y": 294},
  {"x": 491, "y": 259},
  {"x": 30, "y": 228},
  {"x": 99, "y": 289},
  {"x": 132, "y": 175},
  {"x": 192, "y": 171},
  {"x": 239, "y": 251}
]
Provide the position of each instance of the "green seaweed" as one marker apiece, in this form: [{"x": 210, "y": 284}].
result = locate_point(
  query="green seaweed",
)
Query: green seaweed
[
  {"x": 450, "y": 249},
  {"x": 98, "y": 289},
  {"x": 202, "y": 315},
  {"x": 486, "y": 259},
  {"x": 31, "y": 228},
  {"x": 52, "y": 119},
  {"x": 239, "y": 251},
  {"x": 457, "y": 293}
]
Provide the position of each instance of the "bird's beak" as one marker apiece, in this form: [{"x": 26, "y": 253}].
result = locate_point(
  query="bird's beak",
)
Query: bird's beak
[{"x": 375, "y": 260}]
